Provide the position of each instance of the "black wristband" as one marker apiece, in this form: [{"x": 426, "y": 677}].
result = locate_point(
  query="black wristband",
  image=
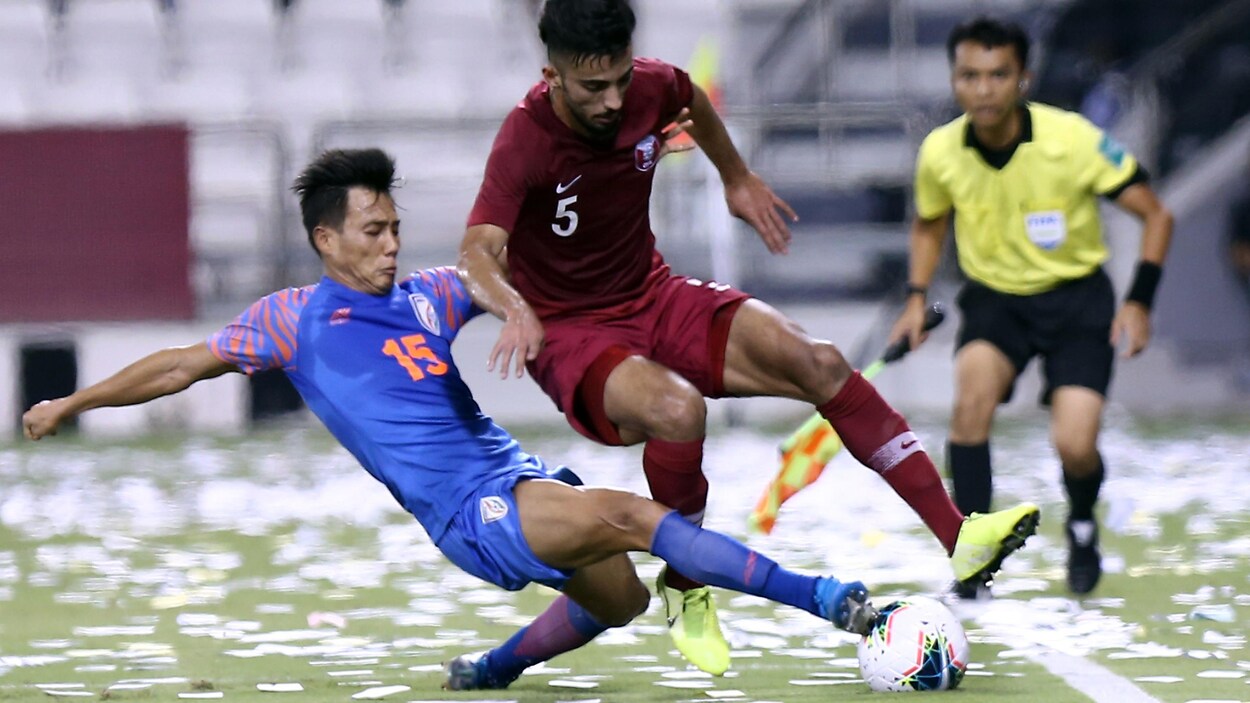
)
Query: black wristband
[
  {"x": 913, "y": 289},
  {"x": 1145, "y": 281}
]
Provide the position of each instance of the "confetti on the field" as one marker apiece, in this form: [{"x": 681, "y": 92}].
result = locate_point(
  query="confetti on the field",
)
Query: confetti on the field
[
  {"x": 202, "y": 695},
  {"x": 746, "y": 654},
  {"x": 379, "y": 692},
  {"x": 821, "y": 682},
  {"x": 569, "y": 683},
  {"x": 68, "y": 693},
  {"x": 1221, "y": 674},
  {"x": 115, "y": 631},
  {"x": 129, "y": 686},
  {"x": 280, "y": 687},
  {"x": 685, "y": 684},
  {"x": 686, "y": 674},
  {"x": 318, "y": 618},
  {"x": 95, "y": 668},
  {"x": 426, "y": 667},
  {"x": 351, "y": 672},
  {"x": 60, "y": 685},
  {"x": 725, "y": 693},
  {"x": 1159, "y": 679}
]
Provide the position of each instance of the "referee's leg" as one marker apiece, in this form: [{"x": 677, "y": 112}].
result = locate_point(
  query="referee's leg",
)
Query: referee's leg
[{"x": 983, "y": 375}]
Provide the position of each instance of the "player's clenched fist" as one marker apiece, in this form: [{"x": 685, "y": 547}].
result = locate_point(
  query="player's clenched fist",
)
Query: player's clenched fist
[{"x": 42, "y": 419}]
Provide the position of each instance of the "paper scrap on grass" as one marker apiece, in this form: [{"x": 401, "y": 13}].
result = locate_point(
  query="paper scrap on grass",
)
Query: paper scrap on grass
[
  {"x": 568, "y": 683},
  {"x": 352, "y": 672},
  {"x": 687, "y": 675},
  {"x": 1159, "y": 679},
  {"x": 685, "y": 684},
  {"x": 279, "y": 687},
  {"x": 727, "y": 693},
  {"x": 68, "y": 693},
  {"x": 1221, "y": 674},
  {"x": 202, "y": 695},
  {"x": 379, "y": 692}
]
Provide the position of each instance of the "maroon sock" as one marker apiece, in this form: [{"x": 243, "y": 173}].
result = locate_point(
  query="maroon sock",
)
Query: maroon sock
[
  {"x": 675, "y": 474},
  {"x": 876, "y": 435}
]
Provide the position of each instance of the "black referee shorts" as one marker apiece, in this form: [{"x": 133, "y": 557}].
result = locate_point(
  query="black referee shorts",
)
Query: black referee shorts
[{"x": 1068, "y": 327}]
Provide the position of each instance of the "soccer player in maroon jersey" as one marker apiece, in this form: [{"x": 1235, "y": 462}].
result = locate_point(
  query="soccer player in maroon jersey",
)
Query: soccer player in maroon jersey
[{"x": 627, "y": 349}]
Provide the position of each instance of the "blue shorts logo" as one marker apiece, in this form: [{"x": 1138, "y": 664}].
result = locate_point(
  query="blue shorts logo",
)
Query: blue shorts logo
[{"x": 493, "y": 508}]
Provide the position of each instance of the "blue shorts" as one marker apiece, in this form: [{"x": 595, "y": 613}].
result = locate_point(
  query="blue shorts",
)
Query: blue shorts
[{"x": 485, "y": 538}]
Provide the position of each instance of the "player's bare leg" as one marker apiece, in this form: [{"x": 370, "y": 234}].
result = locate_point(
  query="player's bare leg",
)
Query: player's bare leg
[
  {"x": 983, "y": 375},
  {"x": 768, "y": 354},
  {"x": 1076, "y": 419},
  {"x": 588, "y": 530},
  {"x": 649, "y": 402}
]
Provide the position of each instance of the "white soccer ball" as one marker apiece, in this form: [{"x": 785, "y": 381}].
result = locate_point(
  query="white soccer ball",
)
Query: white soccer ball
[{"x": 916, "y": 644}]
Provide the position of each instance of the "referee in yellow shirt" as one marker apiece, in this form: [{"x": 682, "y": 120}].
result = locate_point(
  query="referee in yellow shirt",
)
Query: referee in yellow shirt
[{"x": 1022, "y": 180}]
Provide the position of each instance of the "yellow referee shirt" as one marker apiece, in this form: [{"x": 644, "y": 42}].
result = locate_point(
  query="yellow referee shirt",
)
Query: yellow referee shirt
[{"x": 1032, "y": 224}]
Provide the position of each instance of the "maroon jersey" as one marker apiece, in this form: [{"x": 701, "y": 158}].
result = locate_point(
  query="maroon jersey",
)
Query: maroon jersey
[{"x": 577, "y": 212}]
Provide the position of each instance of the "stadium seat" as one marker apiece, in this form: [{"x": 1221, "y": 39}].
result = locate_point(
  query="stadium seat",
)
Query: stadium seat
[
  {"x": 113, "y": 37},
  {"x": 236, "y": 164},
  {"x": 200, "y": 94},
  {"x": 238, "y": 35},
  {"x": 14, "y": 106},
  {"x": 25, "y": 26},
  {"x": 105, "y": 98},
  {"x": 336, "y": 35}
]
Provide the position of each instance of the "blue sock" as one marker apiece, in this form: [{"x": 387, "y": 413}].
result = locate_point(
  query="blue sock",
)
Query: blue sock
[
  {"x": 718, "y": 560},
  {"x": 562, "y": 627}
]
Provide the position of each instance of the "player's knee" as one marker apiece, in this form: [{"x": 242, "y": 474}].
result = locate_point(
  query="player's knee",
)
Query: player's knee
[
  {"x": 632, "y": 603},
  {"x": 1078, "y": 455},
  {"x": 817, "y": 369},
  {"x": 971, "y": 418},
  {"x": 679, "y": 414},
  {"x": 828, "y": 363}
]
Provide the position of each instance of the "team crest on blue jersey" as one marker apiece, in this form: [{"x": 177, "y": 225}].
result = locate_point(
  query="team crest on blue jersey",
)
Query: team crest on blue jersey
[
  {"x": 424, "y": 310},
  {"x": 493, "y": 508},
  {"x": 341, "y": 316},
  {"x": 646, "y": 153}
]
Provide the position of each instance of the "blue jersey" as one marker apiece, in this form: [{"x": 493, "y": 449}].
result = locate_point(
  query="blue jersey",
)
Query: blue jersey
[{"x": 378, "y": 371}]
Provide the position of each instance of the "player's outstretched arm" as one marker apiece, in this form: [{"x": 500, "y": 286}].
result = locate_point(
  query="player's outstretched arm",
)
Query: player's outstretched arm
[
  {"x": 747, "y": 195},
  {"x": 1132, "y": 321},
  {"x": 481, "y": 252},
  {"x": 925, "y": 250},
  {"x": 162, "y": 373}
]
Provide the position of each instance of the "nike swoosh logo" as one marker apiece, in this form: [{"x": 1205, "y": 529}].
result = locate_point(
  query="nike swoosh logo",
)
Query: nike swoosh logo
[
  {"x": 561, "y": 187},
  {"x": 905, "y": 445}
]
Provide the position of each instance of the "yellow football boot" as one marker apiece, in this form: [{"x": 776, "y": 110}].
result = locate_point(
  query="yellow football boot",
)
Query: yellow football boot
[{"x": 693, "y": 624}]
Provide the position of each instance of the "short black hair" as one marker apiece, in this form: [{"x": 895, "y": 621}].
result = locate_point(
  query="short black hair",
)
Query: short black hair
[
  {"x": 990, "y": 33},
  {"x": 585, "y": 29},
  {"x": 322, "y": 186}
]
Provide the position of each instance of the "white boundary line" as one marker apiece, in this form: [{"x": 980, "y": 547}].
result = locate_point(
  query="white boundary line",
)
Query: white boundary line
[{"x": 1091, "y": 679}]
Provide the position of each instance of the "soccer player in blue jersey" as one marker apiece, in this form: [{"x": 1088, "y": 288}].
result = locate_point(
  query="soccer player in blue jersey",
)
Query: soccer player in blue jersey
[{"x": 372, "y": 358}]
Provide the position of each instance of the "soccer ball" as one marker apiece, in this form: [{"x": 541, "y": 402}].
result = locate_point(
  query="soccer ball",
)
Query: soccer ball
[{"x": 915, "y": 644}]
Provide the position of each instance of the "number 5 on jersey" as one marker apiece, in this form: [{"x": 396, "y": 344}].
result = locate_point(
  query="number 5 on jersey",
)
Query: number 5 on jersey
[
  {"x": 564, "y": 213},
  {"x": 414, "y": 348}
]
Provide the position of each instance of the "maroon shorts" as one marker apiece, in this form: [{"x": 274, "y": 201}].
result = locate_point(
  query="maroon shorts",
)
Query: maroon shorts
[{"x": 683, "y": 325}]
